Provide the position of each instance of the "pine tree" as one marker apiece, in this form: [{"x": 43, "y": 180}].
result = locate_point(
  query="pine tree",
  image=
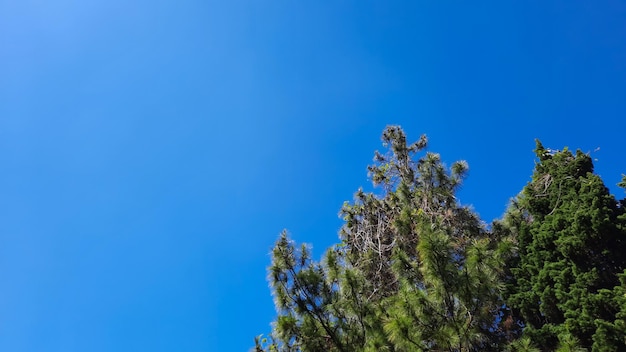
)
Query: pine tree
[
  {"x": 415, "y": 190},
  {"x": 319, "y": 305},
  {"x": 455, "y": 302},
  {"x": 414, "y": 271}
]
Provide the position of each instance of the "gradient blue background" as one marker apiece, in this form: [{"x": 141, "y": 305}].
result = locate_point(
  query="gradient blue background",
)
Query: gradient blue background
[{"x": 152, "y": 151}]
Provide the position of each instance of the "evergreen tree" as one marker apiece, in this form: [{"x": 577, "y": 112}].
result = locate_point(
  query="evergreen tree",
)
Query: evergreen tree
[
  {"x": 523, "y": 344},
  {"x": 415, "y": 270},
  {"x": 571, "y": 239},
  {"x": 319, "y": 305},
  {"x": 455, "y": 302}
]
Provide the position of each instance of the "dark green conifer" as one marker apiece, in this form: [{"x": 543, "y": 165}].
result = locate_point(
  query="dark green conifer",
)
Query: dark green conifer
[{"x": 571, "y": 240}]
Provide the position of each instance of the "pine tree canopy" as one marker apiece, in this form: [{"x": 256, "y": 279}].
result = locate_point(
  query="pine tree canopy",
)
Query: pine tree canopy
[{"x": 417, "y": 271}]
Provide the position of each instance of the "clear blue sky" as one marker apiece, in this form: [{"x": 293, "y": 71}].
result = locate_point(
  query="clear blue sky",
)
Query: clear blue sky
[{"x": 152, "y": 151}]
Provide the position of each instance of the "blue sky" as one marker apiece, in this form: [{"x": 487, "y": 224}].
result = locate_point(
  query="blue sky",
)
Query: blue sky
[{"x": 152, "y": 151}]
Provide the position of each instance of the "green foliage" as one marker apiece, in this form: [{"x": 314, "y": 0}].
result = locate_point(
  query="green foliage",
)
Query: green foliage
[
  {"x": 417, "y": 271},
  {"x": 451, "y": 306},
  {"x": 622, "y": 183},
  {"x": 571, "y": 240},
  {"x": 524, "y": 344},
  {"x": 415, "y": 190},
  {"x": 318, "y": 303}
]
